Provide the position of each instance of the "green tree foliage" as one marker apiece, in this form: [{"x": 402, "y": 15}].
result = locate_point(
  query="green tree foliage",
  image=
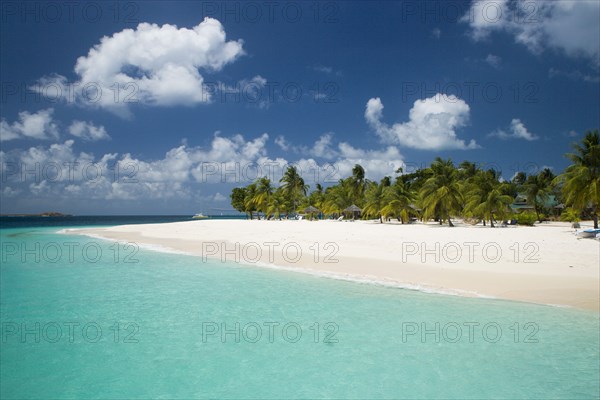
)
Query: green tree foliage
[
  {"x": 293, "y": 188},
  {"x": 538, "y": 189},
  {"x": 441, "y": 195},
  {"x": 376, "y": 199},
  {"x": 338, "y": 197},
  {"x": 399, "y": 199},
  {"x": 581, "y": 180},
  {"x": 486, "y": 197},
  {"x": 238, "y": 197},
  {"x": 441, "y": 192}
]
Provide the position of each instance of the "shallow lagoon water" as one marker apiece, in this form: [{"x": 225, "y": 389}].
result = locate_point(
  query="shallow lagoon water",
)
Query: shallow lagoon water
[{"x": 143, "y": 324}]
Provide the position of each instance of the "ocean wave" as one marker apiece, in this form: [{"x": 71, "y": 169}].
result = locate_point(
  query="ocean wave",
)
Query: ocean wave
[{"x": 373, "y": 280}]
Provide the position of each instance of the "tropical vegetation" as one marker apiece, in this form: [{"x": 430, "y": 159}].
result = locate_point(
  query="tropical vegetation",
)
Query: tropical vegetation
[
  {"x": 441, "y": 192},
  {"x": 580, "y": 183}
]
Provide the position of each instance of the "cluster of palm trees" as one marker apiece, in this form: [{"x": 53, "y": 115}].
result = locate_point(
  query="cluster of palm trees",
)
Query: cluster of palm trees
[
  {"x": 262, "y": 197},
  {"x": 440, "y": 192}
]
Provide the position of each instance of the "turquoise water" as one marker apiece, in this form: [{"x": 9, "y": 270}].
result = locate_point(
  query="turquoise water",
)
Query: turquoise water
[{"x": 161, "y": 320}]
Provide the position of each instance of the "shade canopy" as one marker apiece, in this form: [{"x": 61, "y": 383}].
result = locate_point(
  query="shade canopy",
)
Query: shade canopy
[
  {"x": 352, "y": 208},
  {"x": 311, "y": 209}
]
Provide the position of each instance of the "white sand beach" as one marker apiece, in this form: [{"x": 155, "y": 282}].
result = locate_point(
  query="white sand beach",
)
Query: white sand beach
[{"x": 545, "y": 264}]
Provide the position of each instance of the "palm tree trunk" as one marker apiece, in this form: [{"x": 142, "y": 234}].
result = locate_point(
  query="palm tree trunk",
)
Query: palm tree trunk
[
  {"x": 450, "y": 222},
  {"x": 380, "y": 219},
  {"x": 492, "y": 221},
  {"x": 596, "y": 221}
]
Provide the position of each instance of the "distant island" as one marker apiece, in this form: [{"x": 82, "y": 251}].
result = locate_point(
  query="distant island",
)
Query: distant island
[{"x": 44, "y": 214}]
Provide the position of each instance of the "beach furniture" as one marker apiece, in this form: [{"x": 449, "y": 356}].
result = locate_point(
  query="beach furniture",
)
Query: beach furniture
[{"x": 588, "y": 233}]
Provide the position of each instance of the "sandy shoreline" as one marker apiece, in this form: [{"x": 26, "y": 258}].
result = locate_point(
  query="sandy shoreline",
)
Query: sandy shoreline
[{"x": 545, "y": 264}]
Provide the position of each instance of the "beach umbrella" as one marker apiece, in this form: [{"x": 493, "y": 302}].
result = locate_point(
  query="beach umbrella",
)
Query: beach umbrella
[
  {"x": 311, "y": 210},
  {"x": 353, "y": 209}
]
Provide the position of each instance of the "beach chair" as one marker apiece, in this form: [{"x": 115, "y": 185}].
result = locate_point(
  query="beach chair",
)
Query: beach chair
[{"x": 340, "y": 218}]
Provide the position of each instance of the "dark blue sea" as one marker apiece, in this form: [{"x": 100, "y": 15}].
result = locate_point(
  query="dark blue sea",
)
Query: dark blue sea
[{"x": 7, "y": 222}]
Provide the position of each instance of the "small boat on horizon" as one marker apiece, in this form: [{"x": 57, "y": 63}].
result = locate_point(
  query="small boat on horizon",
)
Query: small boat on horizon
[{"x": 199, "y": 216}]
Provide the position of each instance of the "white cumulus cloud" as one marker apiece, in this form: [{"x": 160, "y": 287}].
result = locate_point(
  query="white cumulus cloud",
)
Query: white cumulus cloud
[
  {"x": 58, "y": 172},
  {"x": 282, "y": 143},
  {"x": 340, "y": 158},
  {"x": 88, "y": 131},
  {"x": 516, "y": 130},
  {"x": 38, "y": 125},
  {"x": 219, "y": 197},
  {"x": 494, "y": 61},
  {"x": 151, "y": 64},
  {"x": 432, "y": 124},
  {"x": 322, "y": 147},
  {"x": 377, "y": 163},
  {"x": 565, "y": 25}
]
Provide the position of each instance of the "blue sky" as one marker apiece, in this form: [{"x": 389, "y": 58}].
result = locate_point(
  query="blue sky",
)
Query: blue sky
[{"x": 211, "y": 92}]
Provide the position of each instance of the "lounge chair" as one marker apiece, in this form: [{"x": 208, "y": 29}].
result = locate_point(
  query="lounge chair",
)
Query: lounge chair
[{"x": 340, "y": 218}]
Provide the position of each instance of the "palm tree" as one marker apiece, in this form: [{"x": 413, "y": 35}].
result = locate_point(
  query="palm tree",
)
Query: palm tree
[
  {"x": 489, "y": 203},
  {"x": 467, "y": 170},
  {"x": 441, "y": 193},
  {"x": 520, "y": 178},
  {"x": 581, "y": 180},
  {"x": 477, "y": 188},
  {"x": 337, "y": 198},
  {"x": 398, "y": 199},
  {"x": 538, "y": 189},
  {"x": 264, "y": 190},
  {"x": 249, "y": 203},
  {"x": 276, "y": 204},
  {"x": 293, "y": 187},
  {"x": 358, "y": 184},
  {"x": 414, "y": 181},
  {"x": 375, "y": 199},
  {"x": 316, "y": 197}
]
